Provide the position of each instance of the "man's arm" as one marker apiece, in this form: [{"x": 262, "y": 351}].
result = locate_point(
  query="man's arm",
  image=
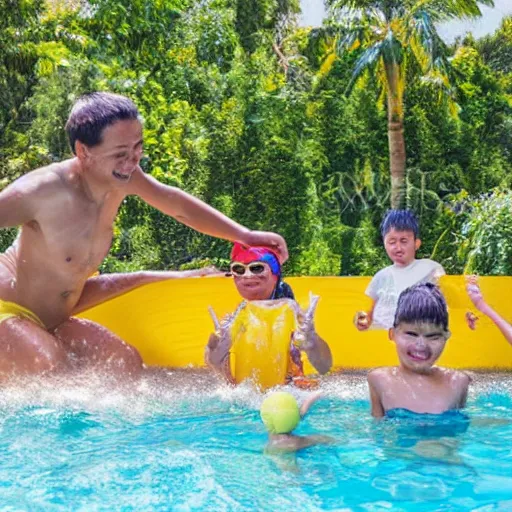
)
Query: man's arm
[
  {"x": 196, "y": 214},
  {"x": 101, "y": 288}
]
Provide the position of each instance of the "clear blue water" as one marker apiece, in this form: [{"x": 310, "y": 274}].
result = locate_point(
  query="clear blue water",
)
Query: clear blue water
[{"x": 189, "y": 444}]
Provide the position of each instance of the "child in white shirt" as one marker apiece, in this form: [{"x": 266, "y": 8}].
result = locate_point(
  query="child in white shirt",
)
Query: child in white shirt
[{"x": 400, "y": 233}]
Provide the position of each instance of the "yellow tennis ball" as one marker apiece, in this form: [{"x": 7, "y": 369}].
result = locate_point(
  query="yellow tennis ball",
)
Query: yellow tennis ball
[{"x": 280, "y": 413}]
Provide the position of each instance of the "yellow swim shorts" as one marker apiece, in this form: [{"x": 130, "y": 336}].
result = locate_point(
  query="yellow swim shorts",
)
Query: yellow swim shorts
[{"x": 12, "y": 310}]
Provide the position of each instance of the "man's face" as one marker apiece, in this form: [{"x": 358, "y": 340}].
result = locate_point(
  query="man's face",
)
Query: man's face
[
  {"x": 419, "y": 345},
  {"x": 401, "y": 246},
  {"x": 256, "y": 282},
  {"x": 119, "y": 153}
]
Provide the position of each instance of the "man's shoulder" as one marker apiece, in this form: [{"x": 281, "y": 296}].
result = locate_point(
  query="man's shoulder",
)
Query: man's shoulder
[
  {"x": 46, "y": 178},
  {"x": 139, "y": 182}
]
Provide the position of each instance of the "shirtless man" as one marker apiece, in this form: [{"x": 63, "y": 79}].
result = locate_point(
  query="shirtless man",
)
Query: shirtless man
[{"x": 66, "y": 212}]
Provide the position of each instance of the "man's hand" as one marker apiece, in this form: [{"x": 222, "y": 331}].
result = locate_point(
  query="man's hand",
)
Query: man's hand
[{"x": 273, "y": 241}]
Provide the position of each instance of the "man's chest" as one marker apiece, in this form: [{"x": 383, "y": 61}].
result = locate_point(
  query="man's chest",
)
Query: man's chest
[{"x": 79, "y": 236}]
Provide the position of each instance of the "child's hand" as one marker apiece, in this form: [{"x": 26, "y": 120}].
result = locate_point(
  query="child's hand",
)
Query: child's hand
[
  {"x": 219, "y": 343},
  {"x": 474, "y": 293},
  {"x": 471, "y": 320},
  {"x": 362, "y": 321},
  {"x": 304, "y": 336}
]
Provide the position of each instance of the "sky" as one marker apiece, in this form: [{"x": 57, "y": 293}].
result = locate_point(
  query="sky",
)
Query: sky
[{"x": 313, "y": 12}]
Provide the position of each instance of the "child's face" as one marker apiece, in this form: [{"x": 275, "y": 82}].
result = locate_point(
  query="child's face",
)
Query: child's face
[
  {"x": 257, "y": 282},
  {"x": 419, "y": 345},
  {"x": 401, "y": 246}
]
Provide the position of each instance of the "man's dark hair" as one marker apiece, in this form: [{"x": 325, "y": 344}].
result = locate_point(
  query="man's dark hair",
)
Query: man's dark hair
[
  {"x": 422, "y": 303},
  {"x": 400, "y": 220},
  {"x": 93, "y": 112}
]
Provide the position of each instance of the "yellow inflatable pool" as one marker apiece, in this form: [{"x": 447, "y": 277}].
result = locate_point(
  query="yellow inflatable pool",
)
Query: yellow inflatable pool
[{"x": 169, "y": 322}]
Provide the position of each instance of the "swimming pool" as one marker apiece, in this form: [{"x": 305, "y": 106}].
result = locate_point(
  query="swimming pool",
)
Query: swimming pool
[{"x": 190, "y": 444}]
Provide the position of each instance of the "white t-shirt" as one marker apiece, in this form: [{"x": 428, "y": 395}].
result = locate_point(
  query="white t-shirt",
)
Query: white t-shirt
[{"x": 387, "y": 284}]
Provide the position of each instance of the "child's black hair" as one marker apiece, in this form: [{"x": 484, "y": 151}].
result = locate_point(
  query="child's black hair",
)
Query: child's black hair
[
  {"x": 401, "y": 220},
  {"x": 422, "y": 302}
]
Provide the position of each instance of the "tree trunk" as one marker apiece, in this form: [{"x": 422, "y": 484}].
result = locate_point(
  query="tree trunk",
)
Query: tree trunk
[{"x": 396, "y": 136}]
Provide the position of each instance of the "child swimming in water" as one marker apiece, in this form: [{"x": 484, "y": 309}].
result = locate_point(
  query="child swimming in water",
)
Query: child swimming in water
[
  {"x": 400, "y": 234},
  {"x": 420, "y": 331},
  {"x": 281, "y": 415},
  {"x": 475, "y": 294}
]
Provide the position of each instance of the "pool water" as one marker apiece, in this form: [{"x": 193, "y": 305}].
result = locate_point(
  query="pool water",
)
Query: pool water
[{"x": 187, "y": 443}]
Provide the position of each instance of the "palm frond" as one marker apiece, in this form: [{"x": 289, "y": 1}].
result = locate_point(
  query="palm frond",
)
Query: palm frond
[
  {"x": 441, "y": 10},
  {"x": 391, "y": 48},
  {"x": 327, "y": 64},
  {"x": 439, "y": 82},
  {"x": 367, "y": 60},
  {"x": 428, "y": 48},
  {"x": 348, "y": 39}
]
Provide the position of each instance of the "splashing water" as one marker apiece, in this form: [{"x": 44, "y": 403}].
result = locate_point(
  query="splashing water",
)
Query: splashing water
[{"x": 181, "y": 441}]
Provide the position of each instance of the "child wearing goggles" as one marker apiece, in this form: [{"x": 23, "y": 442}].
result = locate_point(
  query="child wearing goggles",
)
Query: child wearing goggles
[{"x": 257, "y": 276}]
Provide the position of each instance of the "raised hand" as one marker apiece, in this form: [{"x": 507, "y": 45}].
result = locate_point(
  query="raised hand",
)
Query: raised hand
[
  {"x": 474, "y": 293},
  {"x": 306, "y": 327},
  {"x": 219, "y": 343}
]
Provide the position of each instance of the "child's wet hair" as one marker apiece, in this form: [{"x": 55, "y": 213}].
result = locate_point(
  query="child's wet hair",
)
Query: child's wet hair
[
  {"x": 400, "y": 220},
  {"x": 422, "y": 303},
  {"x": 93, "y": 112}
]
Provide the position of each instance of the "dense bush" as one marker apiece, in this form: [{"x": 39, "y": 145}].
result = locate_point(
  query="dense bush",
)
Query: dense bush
[{"x": 240, "y": 110}]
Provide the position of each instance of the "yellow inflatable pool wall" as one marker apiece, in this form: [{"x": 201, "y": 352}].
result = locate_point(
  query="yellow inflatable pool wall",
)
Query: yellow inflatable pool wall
[{"x": 169, "y": 323}]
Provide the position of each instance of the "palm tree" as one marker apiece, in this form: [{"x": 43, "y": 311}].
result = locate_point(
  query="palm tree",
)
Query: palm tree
[{"x": 389, "y": 34}]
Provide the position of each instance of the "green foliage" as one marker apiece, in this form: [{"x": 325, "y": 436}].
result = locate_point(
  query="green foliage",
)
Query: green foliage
[
  {"x": 7, "y": 237},
  {"x": 485, "y": 240},
  {"x": 239, "y": 110},
  {"x": 367, "y": 251}
]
